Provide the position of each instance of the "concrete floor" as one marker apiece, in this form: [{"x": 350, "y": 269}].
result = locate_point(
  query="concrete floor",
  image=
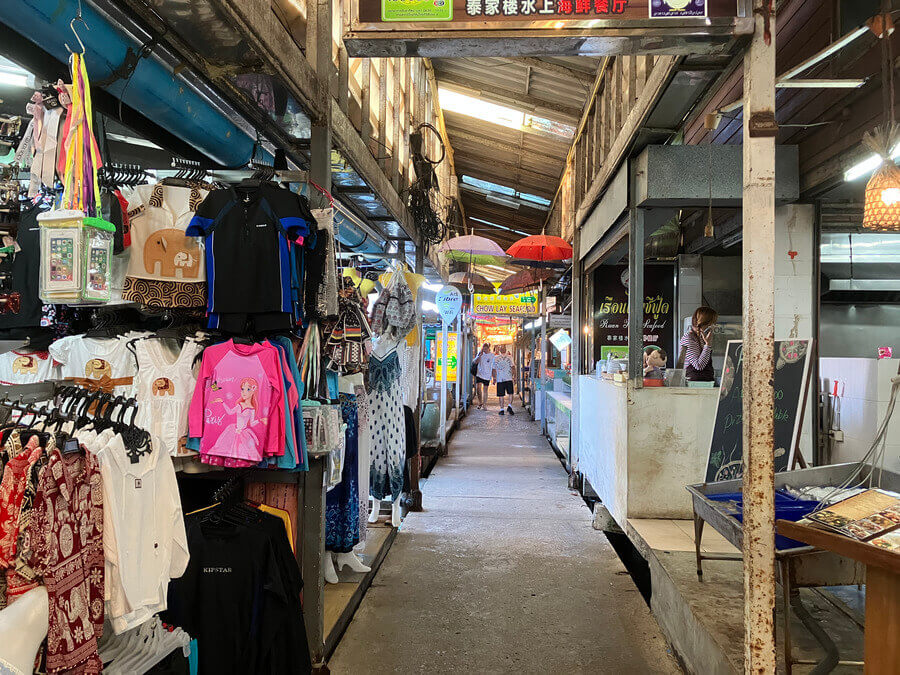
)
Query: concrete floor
[{"x": 502, "y": 573}]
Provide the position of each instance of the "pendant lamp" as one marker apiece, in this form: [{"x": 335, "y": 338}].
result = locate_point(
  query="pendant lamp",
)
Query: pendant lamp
[{"x": 882, "y": 206}]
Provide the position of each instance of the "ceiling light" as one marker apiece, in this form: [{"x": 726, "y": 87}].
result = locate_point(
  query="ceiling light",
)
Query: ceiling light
[{"x": 868, "y": 165}]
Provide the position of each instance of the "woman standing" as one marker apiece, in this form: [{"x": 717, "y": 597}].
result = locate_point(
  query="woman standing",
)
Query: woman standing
[{"x": 696, "y": 346}]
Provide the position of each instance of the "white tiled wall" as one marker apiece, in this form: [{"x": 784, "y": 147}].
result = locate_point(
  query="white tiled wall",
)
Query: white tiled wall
[{"x": 864, "y": 387}]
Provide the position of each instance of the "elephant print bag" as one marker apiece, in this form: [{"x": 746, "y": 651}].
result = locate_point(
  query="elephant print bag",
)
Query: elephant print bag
[{"x": 166, "y": 268}]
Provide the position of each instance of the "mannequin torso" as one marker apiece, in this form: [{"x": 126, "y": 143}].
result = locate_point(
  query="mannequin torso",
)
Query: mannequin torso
[{"x": 23, "y": 626}]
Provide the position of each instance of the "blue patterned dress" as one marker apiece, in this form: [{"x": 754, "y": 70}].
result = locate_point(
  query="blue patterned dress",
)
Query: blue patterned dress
[
  {"x": 387, "y": 427},
  {"x": 342, "y": 502}
]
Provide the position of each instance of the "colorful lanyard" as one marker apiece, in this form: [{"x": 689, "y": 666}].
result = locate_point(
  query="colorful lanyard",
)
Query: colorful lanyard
[{"x": 82, "y": 191}]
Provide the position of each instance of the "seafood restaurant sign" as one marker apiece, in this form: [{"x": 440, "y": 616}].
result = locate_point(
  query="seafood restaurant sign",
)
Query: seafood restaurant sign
[
  {"x": 429, "y": 27},
  {"x": 610, "y": 329},
  {"x": 506, "y": 10}
]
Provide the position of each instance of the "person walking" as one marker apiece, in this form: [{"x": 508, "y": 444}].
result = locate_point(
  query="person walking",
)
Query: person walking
[
  {"x": 485, "y": 362},
  {"x": 504, "y": 371}
]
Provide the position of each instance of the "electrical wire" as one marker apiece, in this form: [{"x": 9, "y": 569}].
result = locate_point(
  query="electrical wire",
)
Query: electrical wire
[{"x": 863, "y": 473}]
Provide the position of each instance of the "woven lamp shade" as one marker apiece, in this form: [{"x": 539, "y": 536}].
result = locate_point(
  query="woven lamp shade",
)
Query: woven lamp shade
[{"x": 882, "y": 209}]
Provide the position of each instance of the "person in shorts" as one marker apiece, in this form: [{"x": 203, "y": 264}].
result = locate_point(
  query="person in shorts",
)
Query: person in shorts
[
  {"x": 485, "y": 362},
  {"x": 504, "y": 371}
]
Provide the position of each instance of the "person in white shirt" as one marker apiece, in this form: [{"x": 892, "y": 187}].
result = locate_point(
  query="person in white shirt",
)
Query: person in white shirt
[
  {"x": 503, "y": 376},
  {"x": 483, "y": 374}
]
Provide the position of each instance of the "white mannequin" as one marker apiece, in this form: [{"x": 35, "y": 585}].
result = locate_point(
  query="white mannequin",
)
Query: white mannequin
[
  {"x": 335, "y": 562},
  {"x": 23, "y": 627},
  {"x": 375, "y": 511},
  {"x": 382, "y": 346}
]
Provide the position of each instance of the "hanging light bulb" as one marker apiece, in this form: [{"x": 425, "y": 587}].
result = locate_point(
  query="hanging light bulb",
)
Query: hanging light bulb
[{"x": 882, "y": 207}]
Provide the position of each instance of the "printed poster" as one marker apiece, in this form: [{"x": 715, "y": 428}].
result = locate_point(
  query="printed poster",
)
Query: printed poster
[
  {"x": 416, "y": 10},
  {"x": 677, "y": 9}
]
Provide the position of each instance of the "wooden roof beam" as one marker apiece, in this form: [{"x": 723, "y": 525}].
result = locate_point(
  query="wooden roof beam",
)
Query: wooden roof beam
[{"x": 548, "y": 68}]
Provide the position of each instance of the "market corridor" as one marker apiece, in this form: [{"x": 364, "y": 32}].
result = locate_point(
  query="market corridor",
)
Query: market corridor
[{"x": 502, "y": 573}]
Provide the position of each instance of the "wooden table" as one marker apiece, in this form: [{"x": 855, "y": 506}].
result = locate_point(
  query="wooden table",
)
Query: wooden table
[{"x": 882, "y": 640}]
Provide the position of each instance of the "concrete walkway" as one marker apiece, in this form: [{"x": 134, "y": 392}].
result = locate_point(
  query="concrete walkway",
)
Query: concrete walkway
[{"x": 502, "y": 573}]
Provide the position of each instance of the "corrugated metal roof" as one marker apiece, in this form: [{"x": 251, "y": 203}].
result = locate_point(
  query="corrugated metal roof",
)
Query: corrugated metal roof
[{"x": 555, "y": 88}]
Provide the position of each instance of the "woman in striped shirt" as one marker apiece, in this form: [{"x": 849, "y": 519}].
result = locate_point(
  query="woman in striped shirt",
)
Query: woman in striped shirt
[{"x": 696, "y": 346}]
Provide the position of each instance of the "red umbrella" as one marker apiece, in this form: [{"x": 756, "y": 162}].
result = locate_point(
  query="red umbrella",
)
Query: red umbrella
[
  {"x": 541, "y": 247},
  {"x": 524, "y": 279}
]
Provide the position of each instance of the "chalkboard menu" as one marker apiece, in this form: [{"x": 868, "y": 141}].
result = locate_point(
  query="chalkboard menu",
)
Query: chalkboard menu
[
  {"x": 611, "y": 310},
  {"x": 791, "y": 379}
]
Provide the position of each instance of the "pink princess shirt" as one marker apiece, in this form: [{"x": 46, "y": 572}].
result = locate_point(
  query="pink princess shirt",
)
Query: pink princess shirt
[{"x": 237, "y": 409}]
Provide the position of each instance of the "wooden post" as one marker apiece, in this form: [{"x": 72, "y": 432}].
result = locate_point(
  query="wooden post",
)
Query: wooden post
[
  {"x": 313, "y": 498},
  {"x": 759, "y": 343},
  {"x": 415, "y": 471}
]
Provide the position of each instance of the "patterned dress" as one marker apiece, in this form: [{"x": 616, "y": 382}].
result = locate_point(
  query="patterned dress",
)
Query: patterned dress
[
  {"x": 342, "y": 502},
  {"x": 387, "y": 428},
  {"x": 66, "y": 544}
]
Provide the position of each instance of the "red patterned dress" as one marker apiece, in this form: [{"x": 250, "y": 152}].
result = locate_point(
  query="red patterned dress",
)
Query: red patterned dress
[{"x": 66, "y": 544}]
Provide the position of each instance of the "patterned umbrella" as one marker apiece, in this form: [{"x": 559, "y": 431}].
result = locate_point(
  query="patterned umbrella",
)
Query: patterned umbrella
[
  {"x": 541, "y": 247},
  {"x": 471, "y": 248},
  {"x": 524, "y": 279},
  {"x": 465, "y": 280}
]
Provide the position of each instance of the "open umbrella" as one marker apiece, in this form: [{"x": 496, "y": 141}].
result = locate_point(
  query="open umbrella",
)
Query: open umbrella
[
  {"x": 541, "y": 247},
  {"x": 473, "y": 249},
  {"x": 465, "y": 279},
  {"x": 524, "y": 279}
]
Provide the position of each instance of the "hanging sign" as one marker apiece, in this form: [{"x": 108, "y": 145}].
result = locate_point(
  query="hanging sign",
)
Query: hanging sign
[
  {"x": 416, "y": 10},
  {"x": 452, "y": 364},
  {"x": 516, "y": 304},
  {"x": 420, "y": 27},
  {"x": 449, "y": 302},
  {"x": 610, "y": 327}
]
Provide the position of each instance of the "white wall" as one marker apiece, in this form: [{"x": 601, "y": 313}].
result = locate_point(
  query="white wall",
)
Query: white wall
[
  {"x": 603, "y": 437},
  {"x": 864, "y": 389},
  {"x": 795, "y": 286},
  {"x": 668, "y": 444}
]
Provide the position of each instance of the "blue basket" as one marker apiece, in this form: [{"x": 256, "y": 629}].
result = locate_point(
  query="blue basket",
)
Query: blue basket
[{"x": 786, "y": 508}]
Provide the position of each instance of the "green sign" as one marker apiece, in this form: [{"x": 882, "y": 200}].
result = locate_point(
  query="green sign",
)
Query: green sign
[{"x": 416, "y": 10}]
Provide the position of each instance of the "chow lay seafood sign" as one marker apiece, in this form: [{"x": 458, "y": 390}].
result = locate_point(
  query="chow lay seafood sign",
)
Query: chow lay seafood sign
[
  {"x": 515, "y": 304},
  {"x": 500, "y": 11}
]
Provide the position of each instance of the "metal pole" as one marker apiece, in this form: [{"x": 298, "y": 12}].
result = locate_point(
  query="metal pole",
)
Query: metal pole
[
  {"x": 415, "y": 494},
  {"x": 319, "y": 11},
  {"x": 544, "y": 360},
  {"x": 759, "y": 343},
  {"x": 442, "y": 368},
  {"x": 458, "y": 365},
  {"x": 635, "y": 289}
]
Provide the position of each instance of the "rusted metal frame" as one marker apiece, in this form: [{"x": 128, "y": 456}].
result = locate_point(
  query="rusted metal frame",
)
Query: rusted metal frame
[
  {"x": 759, "y": 347},
  {"x": 656, "y": 84}
]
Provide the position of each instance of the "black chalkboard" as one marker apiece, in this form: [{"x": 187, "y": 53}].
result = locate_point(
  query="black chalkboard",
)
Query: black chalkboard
[{"x": 791, "y": 378}]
